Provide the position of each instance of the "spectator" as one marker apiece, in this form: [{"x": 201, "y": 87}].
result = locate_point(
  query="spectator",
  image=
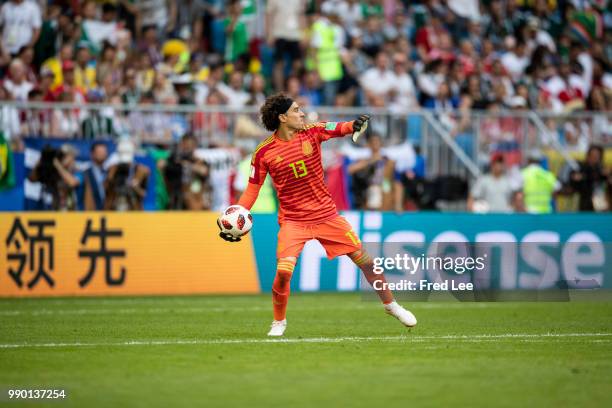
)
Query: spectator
[
  {"x": 126, "y": 182},
  {"x": 535, "y": 36},
  {"x": 95, "y": 177},
  {"x": 498, "y": 83},
  {"x": 21, "y": 21},
  {"x": 130, "y": 94},
  {"x": 56, "y": 63},
  {"x": 444, "y": 102},
  {"x": 327, "y": 41},
  {"x": 292, "y": 89},
  {"x": 174, "y": 124},
  {"x": 284, "y": 25},
  {"x": 189, "y": 22},
  {"x": 516, "y": 60},
  {"x": 76, "y": 94},
  {"x": 575, "y": 136},
  {"x": 589, "y": 180},
  {"x": 372, "y": 178},
  {"x": 98, "y": 124},
  {"x": 65, "y": 121},
  {"x": 162, "y": 87},
  {"x": 145, "y": 74},
  {"x": 236, "y": 35},
  {"x": 429, "y": 37},
  {"x": 539, "y": 185},
  {"x": 351, "y": 13},
  {"x": 378, "y": 81},
  {"x": 18, "y": 85},
  {"x": 108, "y": 65},
  {"x": 183, "y": 88},
  {"x": 496, "y": 24},
  {"x": 354, "y": 60},
  {"x": 96, "y": 31},
  {"x": 257, "y": 94},
  {"x": 187, "y": 177},
  {"x": 234, "y": 94},
  {"x": 196, "y": 67},
  {"x": 214, "y": 81},
  {"x": 311, "y": 89},
  {"x": 46, "y": 46},
  {"x": 150, "y": 46},
  {"x": 566, "y": 89},
  {"x": 215, "y": 124},
  {"x": 26, "y": 55},
  {"x": 160, "y": 14},
  {"x": 144, "y": 124},
  {"x": 9, "y": 116},
  {"x": 467, "y": 58},
  {"x": 56, "y": 171},
  {"x": 45, "y": 85},
  {"x": 404, "y": 98},
  {"x": 492, "y": 192},
  {"x": 372, "y": 37},
  {"x": 430, "y": 79},
  {"x": 85, "y": 69}
]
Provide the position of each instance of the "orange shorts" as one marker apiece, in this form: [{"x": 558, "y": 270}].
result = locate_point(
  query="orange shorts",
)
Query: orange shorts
[{"x": 336, "y": 236}]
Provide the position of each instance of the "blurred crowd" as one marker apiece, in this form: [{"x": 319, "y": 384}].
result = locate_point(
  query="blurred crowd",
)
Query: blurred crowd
[
  {"x": 449, "y": 57},
  {"x": 403, "y": 55}
]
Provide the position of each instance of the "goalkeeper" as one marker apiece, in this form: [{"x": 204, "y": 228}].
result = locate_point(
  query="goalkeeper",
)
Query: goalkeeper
[{"x": 292, "y": 157}]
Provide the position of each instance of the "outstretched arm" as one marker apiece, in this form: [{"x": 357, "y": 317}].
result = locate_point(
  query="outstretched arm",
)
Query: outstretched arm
[{"x": 340, "y": 129}]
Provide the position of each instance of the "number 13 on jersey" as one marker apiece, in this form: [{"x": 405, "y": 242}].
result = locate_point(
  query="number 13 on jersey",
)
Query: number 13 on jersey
[{"x": 299, "y": 168}]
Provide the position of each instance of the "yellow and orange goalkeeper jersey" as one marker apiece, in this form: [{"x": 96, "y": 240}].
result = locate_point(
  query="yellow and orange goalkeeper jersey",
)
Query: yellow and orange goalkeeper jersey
[{"x": 297, "y": 172}]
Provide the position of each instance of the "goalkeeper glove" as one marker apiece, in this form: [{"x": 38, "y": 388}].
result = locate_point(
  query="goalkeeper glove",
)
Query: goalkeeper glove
[
  {"x": 226, "y": 235},
  {"x": 359, "y": 126}
]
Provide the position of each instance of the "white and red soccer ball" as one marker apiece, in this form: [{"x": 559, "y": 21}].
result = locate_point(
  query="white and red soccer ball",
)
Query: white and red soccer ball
[{"x": 236, "y": 220}]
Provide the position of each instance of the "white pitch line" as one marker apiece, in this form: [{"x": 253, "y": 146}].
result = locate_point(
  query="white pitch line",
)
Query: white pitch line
[
  {"x": 464, "y": 338},
  {"x": 204, "y": 309}
]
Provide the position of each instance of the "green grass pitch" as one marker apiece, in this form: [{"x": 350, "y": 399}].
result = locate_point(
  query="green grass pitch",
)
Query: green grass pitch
[{"x": 338, "y": 351}]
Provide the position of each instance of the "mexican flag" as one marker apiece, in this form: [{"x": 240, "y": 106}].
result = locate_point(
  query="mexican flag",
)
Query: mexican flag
[{"x": 7, "y": 167}]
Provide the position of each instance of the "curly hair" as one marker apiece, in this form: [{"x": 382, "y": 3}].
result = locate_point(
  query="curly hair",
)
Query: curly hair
[{"x": 273, "y": 106}]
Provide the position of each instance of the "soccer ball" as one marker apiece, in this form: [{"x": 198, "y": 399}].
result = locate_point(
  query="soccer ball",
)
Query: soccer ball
[{"x": 236, "y": 220}]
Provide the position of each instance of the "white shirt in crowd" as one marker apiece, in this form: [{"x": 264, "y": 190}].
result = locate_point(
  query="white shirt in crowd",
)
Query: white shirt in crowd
[
  {"x": 496, "y": 192},
  {"x": 515, "y": 65},
  {"x": 285, "y": 18},
  {"x": 465, "y": 8},
  {"x": 9, "y": 121},
  {"x": 404, "y": 98},
  {"x": 18, "y": 23},
  {"x": 378, "y": 82},
  {"x": 18, "y": 91},
  {"x": 350, "y": 13},
  {"x": 99, "y": 31},
  {"x": 235, "y": 97},
  {"x": 429, "y": 83},
  {"x": 153, "y": 12},
  {"x": 556, "y": 85}
]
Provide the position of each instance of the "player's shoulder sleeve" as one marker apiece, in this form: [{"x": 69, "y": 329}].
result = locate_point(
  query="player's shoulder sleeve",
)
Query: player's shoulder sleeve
[
  {"x": 328, "y": 130},
  {"x": 259, "y": 166}
]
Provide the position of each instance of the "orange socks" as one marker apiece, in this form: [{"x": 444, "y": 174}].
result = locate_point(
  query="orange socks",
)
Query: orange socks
[{"x": 281, "y": 288}]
